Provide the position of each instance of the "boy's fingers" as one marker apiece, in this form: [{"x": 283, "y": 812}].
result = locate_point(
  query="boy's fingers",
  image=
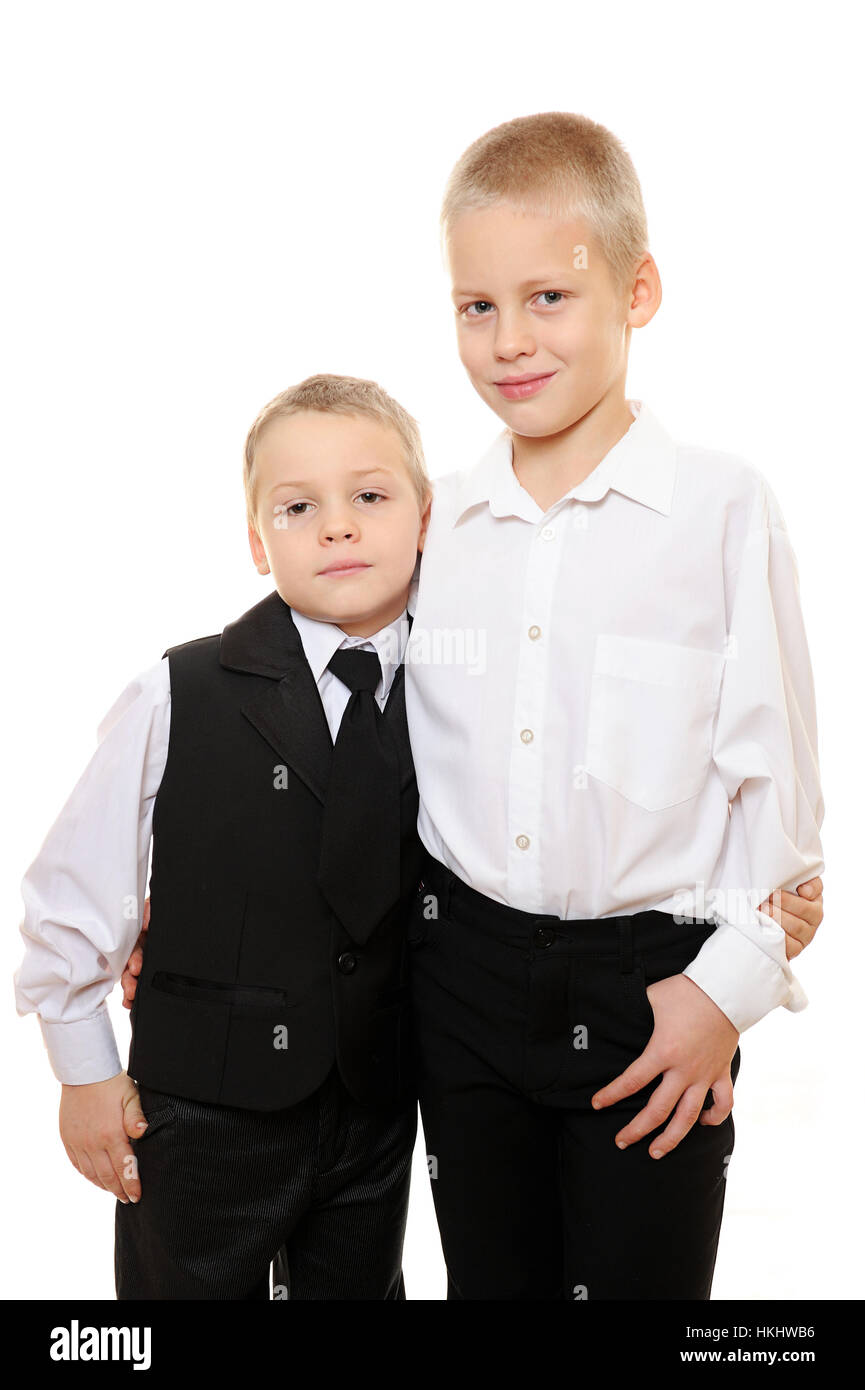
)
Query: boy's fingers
[
  {"x": 129, "y": 978},
  {"x": 812, "y": 889},
  {"x": 775, "y": 906},
  {"x": 800, "y": 932},
  {"x": 134, "y": 1119},
  {"x": 145, "y": 916},
  {"x": 107, "y": 1174},
  {"x": 641, "y": 1071},
  {"x": 85, "y": 1167},
  {"x": 685, "y": 1116},
  {"x": 722, "y": 1102},
  {"x": 72, "y": 1156},
  {"x": 654, "y": 1112},
  {"x": 130, "y": 986},
  {"x": 800, "y": 908},
  {"x": 125, "y": 1165},
  {"x": 810, "y": 912}
]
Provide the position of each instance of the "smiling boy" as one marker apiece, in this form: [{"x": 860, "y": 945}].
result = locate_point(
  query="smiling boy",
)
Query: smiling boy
[{"x": 604, "y": 812}]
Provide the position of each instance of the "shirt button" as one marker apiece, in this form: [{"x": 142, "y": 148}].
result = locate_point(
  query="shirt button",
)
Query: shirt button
[
  {"x": 548, "y": 533},
  {"x": 526, "y": 735},
  {"x": 544, "y": 936},
  {"x": 523, "y": 841},
  {"x": 534, "y": 632},
  {"x": 347, "y": 962}
]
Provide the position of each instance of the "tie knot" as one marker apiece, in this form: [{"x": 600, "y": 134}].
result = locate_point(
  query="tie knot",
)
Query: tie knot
[{"x": 357, "y": 669}]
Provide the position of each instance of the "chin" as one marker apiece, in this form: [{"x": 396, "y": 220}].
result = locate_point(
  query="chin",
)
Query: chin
[
  {"x": 523, "y": 417},
  {"x": 531, "y": 427}
]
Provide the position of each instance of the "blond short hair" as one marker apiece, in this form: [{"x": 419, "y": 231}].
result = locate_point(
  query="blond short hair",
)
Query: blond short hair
[
  {"x": 340, "y": 395},
  {"x": 556, "y": 164}
]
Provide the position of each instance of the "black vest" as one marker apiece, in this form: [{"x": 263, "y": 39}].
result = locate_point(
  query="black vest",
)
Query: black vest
[{"x": 251, "y": 987}]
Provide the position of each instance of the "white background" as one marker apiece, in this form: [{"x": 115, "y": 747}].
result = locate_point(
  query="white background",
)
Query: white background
[{"x": 206, "y": 202}]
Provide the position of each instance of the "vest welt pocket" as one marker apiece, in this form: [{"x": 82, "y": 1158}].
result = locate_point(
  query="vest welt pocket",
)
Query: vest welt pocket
[
  {"x": 213, "y": 992},
  {"x": 652, "y": 710}
]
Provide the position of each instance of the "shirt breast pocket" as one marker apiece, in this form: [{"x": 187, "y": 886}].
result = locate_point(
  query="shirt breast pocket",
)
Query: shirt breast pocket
[{"x": 652, "y": 711}]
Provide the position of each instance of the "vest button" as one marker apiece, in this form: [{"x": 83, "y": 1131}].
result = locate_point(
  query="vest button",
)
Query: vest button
[{"x": 347, "y": 962}]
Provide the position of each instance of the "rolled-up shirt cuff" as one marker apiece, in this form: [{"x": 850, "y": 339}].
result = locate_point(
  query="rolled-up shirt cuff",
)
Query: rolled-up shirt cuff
[
  {"x": 83, "y": 1051},
  {"x": 743, "y": 980}
]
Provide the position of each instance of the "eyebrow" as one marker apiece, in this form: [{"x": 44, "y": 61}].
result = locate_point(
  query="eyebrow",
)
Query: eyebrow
[
  {"x": 353, "y": 472},
  {"x": 526, "y": 285}
]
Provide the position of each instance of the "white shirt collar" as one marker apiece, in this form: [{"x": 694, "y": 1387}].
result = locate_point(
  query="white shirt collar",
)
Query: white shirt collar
[
  {"x": 641, "y": 465},
  {"x": 320, "y": 641}
]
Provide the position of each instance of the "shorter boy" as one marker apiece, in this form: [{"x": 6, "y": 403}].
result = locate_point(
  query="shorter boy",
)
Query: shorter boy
[{"x": 270, "y": 1027}]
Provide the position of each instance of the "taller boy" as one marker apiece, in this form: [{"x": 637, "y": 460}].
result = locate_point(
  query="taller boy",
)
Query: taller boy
[{"x": 605, "y": 807}]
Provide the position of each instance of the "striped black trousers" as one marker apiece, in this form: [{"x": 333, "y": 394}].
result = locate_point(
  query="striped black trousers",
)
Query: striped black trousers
[{"x": 319, "y": 1191}]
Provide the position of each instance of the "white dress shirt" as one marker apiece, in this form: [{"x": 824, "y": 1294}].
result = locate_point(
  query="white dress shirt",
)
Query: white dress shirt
[
  {"x": 81, "y": 918},
  {"x": 611, "y": 705}
]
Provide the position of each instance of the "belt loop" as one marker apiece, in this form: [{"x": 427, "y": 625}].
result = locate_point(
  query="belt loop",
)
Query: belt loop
[
  {"x": 438, "y": 881},
  {"x": 449, "y": 888},
  {"x": 626, "y": 945}
]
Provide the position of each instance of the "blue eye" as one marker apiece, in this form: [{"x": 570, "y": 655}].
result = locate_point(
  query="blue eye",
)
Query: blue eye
[
  {"x": 473, "y": 305},
  {"x": 551, "y": 292}
]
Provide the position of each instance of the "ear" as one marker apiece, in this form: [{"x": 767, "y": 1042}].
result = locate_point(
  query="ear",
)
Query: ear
[
  {"x": 424, "y": 523},
  {"x": 645, "y": 299},
  {"x": 258, "y": 552}
]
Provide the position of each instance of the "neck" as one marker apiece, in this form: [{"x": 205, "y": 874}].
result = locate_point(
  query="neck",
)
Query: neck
[
  {"x": 550, "y": 465},
  {"x": 366, "y": 627}
]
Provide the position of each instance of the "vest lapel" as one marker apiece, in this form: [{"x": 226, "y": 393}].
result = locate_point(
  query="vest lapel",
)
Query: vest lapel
[{"x": 288, "y": 711}]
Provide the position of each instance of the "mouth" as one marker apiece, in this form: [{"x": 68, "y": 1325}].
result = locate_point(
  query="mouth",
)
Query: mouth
[
  {"x": 517, "y": 388},
  {"x": 342, "y": 568}
]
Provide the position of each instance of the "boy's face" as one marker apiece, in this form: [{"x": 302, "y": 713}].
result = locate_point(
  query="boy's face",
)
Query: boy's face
[
  {"x": 333, "y": 491},
  {"x": 525, "y": 309}
]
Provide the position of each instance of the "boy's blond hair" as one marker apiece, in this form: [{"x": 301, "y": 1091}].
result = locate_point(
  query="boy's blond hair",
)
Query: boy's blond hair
[
  {"x": 556, "y": 164},
  {"x": 339, "y": 395}
]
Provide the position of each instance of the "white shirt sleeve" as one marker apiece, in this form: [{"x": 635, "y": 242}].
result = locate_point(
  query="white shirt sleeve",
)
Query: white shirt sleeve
[
  {"x": 84, "y": 892},
  {"x": 765, "y": 751}
]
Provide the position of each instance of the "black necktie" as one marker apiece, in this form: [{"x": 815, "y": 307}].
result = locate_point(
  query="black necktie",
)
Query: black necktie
[{"x": 359, "y": 870}]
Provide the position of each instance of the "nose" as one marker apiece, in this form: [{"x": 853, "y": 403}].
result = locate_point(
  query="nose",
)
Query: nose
[
  {"x": 513, "y": 336},
  {"x": 335, "y": 526}
]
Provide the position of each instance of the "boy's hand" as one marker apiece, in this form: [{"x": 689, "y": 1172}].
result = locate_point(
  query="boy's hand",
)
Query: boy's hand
[
  {"x": 96, "y": 1123},
  {"x": 693, "y": 1045},
  {"x": 693, "y": 1038},
  {"x": 800, "y": 916},
  {"x": 129, "y": 978}
]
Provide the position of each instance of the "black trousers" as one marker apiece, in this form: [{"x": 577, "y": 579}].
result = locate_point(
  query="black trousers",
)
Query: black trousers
[
  {"x": 320, "y": 1190},
  {"x": 519, "y": 1019}
]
